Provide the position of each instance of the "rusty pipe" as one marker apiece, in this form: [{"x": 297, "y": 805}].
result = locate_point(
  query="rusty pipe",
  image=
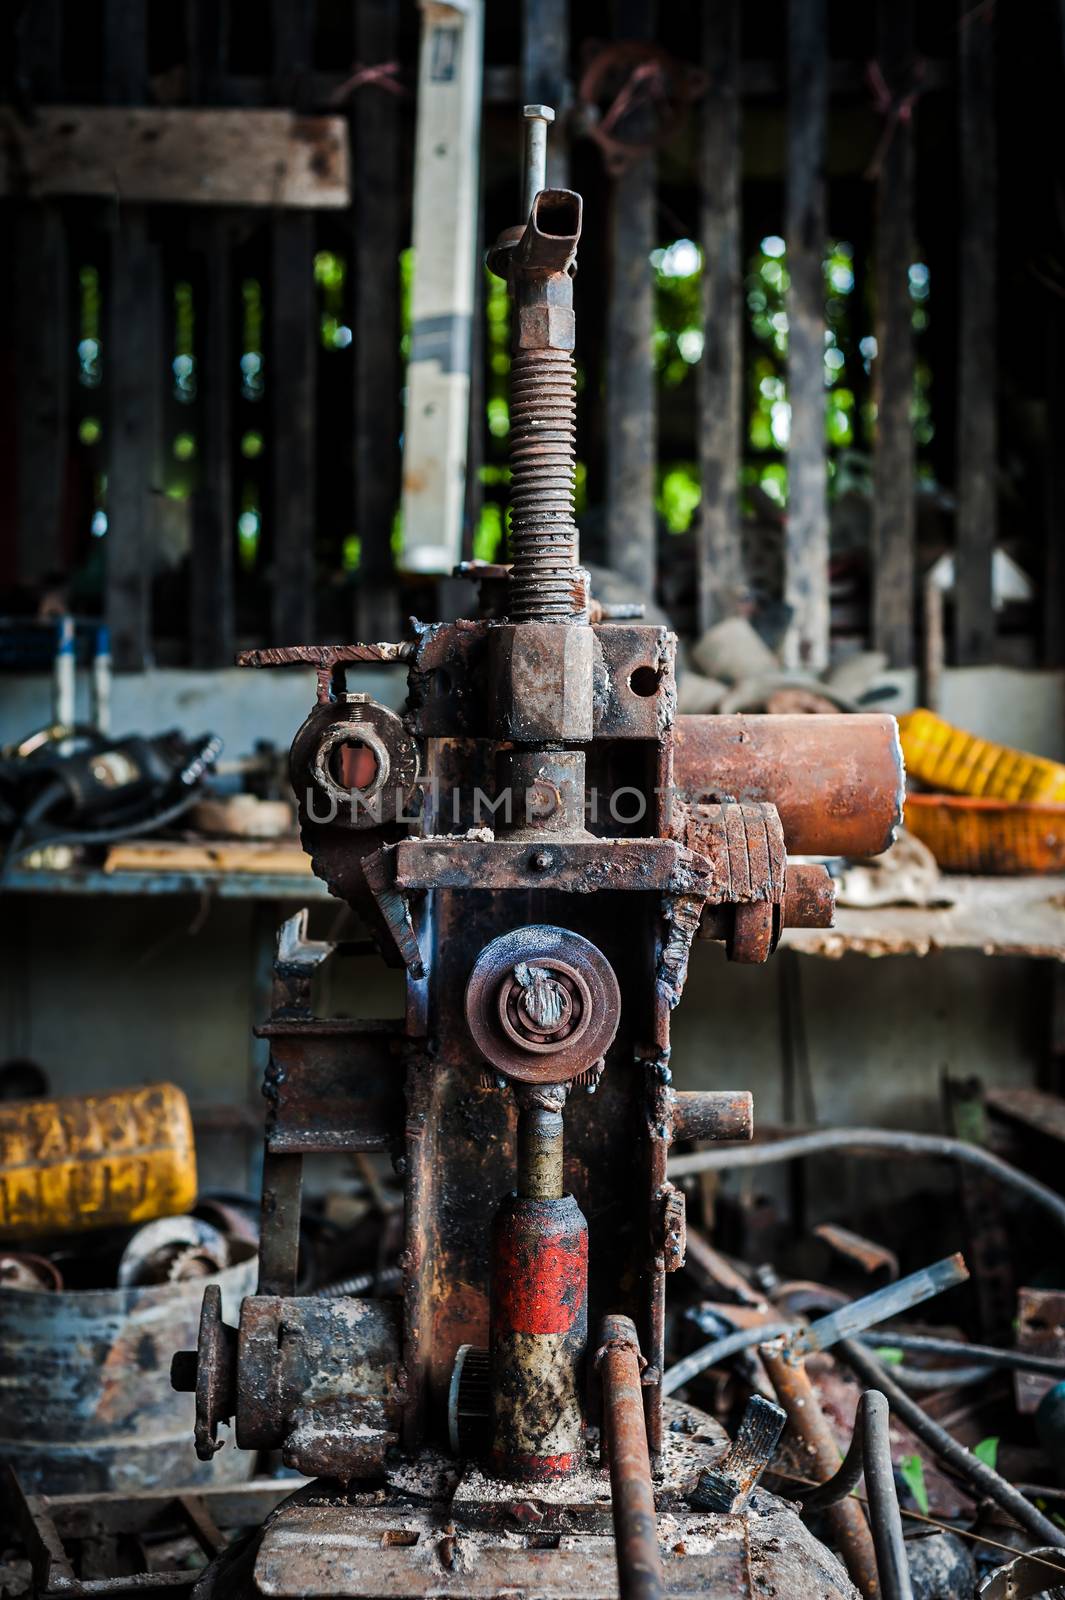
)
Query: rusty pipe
[
  {"x": 713, "y": 1114},
  {"x": 796, "y": 1394},
  {"x": 837, "y": 781},
  {"x": 640, "y": 1575}
]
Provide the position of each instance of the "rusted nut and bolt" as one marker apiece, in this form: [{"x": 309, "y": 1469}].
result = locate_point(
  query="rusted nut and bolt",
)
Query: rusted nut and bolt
[{"x": 540, "y": 860}]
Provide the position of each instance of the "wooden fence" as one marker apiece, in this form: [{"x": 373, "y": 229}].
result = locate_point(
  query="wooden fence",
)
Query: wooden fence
[{"x": 205, "y": 383}]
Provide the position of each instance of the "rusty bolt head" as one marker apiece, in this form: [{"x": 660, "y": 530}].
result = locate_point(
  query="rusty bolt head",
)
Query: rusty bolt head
[
  {"x": 543, "y": 679},
  {"x": 538, "y": 113}
]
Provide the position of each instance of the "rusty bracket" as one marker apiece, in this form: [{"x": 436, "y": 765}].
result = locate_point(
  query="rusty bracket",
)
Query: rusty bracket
[{"x": 727, "y": 1486}]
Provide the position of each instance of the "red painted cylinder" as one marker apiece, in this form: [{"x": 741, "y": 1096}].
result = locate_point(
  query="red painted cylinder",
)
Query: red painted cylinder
[{"x": 539, "y": 1336}]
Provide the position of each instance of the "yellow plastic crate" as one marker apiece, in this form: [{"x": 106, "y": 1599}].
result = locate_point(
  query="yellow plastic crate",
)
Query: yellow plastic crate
[{"x": 948, "y": 758}]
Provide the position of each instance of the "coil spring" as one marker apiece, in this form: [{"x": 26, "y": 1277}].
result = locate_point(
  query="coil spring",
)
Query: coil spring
[{"x": 546, "y": 584}]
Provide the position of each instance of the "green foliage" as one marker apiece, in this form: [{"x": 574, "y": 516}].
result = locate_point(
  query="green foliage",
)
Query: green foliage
[
  {"x": 890, "y": 1356},
  {"x": 678, "y": 495},
  {"x": 330, "y": 274},
  {"x": 678, "y": 334},
  {"x": 911, "y": 1469},
  {"x": 987, "y": 1451}
]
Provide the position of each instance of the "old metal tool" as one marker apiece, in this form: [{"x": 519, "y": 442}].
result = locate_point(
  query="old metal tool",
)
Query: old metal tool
[
  {"x": 726, "y": 1486},
  {"x": 520, "y": 845}
]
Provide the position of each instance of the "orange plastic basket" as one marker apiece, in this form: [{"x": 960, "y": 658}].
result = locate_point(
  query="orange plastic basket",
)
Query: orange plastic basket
[{"x": 993, "y": 837}]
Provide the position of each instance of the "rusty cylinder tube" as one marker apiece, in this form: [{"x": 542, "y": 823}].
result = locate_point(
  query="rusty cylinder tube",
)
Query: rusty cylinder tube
[
  {"x": 640, "y": 1575},
  {"x": 837, "y": 781},
  {"x": 539, "y": 1321}
]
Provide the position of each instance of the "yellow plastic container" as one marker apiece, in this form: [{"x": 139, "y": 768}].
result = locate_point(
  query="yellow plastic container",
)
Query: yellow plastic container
[
  {"x": 945, "y": 757},
  {"x": 95, "y": 1161}
]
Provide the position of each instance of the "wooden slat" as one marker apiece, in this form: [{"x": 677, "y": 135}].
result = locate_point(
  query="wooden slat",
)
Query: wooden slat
[
  {"x": 178, "y": 156},
  {"x": 376, "y": 240},
  {"x": 629, "y": 378},
  {"x": 293, "y": 350},
  {"x": 212, "y": 636},
  {"x": 544, "y": 76},
  {"x": 893, "y": 457},
  {"x": 41, "y": 324},
  {"x": 721, "y": 578},
  {"x": 806, "y": 539},
  {"x": 977, "y": 451},
  {"x": 132, "y": 371}
]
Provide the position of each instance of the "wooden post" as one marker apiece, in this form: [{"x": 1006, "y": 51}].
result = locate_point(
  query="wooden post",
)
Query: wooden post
[
  {"x": 893, "y": 458},
  {"x": 544, "y": 77},
  {"x": 806, "y": 539},
  {"x": 133, "y": 370},
  {"x": 630, "y": 379},
  {"x": 376, "y": 236},
  {"x": 447, "y": 149},
  {"x": 292, "y": 361},
  {"x": 977, "y": 451},
  {"x": 41, "y": 325},
  {"x": 721, "y": 576},
  {"x": 212, "y": 628}
]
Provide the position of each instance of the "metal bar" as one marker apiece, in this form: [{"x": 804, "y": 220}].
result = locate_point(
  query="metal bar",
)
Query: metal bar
[
  {"x": 894, "y": 505},
  {"x": 806, "y": 535},
  {"x": 630, "y": 381},
  {"x": 977, "y": 441},
  {"x": 864, "y": 1139},
  {"x": 950, "y": 1452},
  {"x": 640, "y": 1575},
  {"x": 890, "y": 1301},
  {"x": 721, "y": 574},
  {"x": 799, "y": 1398}
]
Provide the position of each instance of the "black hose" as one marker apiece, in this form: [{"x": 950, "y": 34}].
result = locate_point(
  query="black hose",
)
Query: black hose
[
  {"x": 862, "y": 1139},
  {"x": 870, "y": 1452},
  {"x": 983, "y": 1478},
  {"x": 106, "y": 835},
  {"x": 930, "y": 1380},
  {"x": 987, "y": 1355},
  {"x": 718, "y": 1350}
]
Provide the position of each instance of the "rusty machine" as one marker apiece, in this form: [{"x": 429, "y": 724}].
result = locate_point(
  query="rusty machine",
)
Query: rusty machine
[{"x": 536, "y": 841}]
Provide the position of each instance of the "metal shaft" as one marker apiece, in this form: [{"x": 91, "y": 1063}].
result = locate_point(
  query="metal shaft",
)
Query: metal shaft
[
  {"x": 640, "y": 1575},
  {"x": 540, "y": 1154}
]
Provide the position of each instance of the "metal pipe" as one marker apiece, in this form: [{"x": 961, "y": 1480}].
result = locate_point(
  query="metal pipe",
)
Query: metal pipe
[
  {"x": 837, "y": 781},
  {"x": 870, "y": 1451},
  {"x": 799, "y": 1398},
  {"x": 860, "y": 1140},
  {"x": 926, "y": 1380},
  {"x": 890, "y": 1301},
  {"x": 984, "y": 1478},
  {"x": 713, "y": 1114},
  {"x": 640, "y": 1574}
]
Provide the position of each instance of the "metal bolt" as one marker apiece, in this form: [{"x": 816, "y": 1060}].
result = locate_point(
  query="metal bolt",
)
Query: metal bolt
[
  {"x": 537, "y": 121},
  {"x": 540, "y": 861}
]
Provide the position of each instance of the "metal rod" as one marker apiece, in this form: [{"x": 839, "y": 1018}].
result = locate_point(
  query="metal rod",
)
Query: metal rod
[
  {"x": 537, "y": 121},
  {"x": 860, "y": 1140},
  {"x": 950, "y": 1452},
  {"x": 640, "y": 1575},
  {"x": 870, "y": 1451}
]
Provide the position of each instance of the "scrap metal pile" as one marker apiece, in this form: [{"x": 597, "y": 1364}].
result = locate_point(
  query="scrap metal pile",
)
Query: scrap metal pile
[{"x": 535, "y": 843}]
